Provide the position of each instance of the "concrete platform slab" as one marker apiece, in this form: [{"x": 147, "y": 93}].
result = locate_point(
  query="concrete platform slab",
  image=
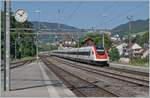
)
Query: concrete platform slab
[
  {"x": 132, "y": 68},
  {"x": 36, "y": 80}
]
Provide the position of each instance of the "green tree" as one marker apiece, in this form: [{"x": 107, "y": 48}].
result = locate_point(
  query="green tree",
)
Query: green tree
[
  {"x": 26, "y": 41},
  {"x": 114, "y": 54},
  {"x": 141, "y": 39},
  {"x": 97, "y": 38}
]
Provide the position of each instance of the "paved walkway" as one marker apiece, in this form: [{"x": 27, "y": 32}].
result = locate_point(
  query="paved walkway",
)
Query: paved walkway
[{"x": 36, "y": 80}]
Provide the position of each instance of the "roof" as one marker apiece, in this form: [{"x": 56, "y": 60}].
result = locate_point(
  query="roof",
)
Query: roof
[
  {"x": 87, "y": 39},
  {"x": 136, "y": 46}
]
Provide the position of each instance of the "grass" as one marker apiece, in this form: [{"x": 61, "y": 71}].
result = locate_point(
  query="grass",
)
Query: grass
[
  {"x": 22, "y": 59},
  {"x": 137, "y": 62},
  {"x": 140, "y": 62},
  {"x": 27, "y": 58}
]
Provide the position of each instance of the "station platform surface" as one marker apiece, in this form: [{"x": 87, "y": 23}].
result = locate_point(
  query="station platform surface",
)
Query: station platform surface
[
  {"x": 36, "y": 80},
  {"x": 129, "y": 67}
]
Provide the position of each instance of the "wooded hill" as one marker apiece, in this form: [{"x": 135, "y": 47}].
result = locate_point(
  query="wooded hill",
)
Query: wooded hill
[{"x": 137, "y": 26}]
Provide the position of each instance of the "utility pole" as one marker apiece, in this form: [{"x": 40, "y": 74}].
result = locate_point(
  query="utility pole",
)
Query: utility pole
[
  {"x": 16, "y": 43},
  {"x": 7, "y": 46},
  {"x": 59, "y": 20},
  {"x": 15, "y": 49},
  {"x": 103, "y": 41},
  {"x": 105, "y": 16},
  {"x": 37, "y": 36},
  {"x": 129, "y": 36}
]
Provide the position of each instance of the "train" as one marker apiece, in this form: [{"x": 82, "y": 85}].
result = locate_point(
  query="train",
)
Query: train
[{"x": 90, "y": 54}]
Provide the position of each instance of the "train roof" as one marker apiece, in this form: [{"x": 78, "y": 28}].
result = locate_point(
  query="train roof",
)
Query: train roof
[{"x": 74, "y": 49}]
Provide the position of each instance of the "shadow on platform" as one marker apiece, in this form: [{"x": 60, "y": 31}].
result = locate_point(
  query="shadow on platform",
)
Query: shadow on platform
[{"x": 54, "y": 83}]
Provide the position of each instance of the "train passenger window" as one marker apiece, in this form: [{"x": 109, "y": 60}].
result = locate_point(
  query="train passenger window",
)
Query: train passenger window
[
  {"x": 75, "y": 53},
  {"x": 84, "y": 53}
]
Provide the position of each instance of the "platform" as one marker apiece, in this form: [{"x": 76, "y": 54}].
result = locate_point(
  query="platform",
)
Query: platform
[
  {"x": 132, "y": 68},
  {"x": 36, "y": 80}
]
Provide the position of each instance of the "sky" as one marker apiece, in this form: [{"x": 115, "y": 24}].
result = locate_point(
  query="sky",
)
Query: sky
[{"x": 84, "y": 14}]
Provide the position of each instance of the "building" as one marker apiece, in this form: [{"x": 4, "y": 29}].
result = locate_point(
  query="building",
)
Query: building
[
  {"x": 88, "y": 42},
  {"x": 67, "y": 43},
  {"x": 116, "y": 40},
  {"x": 122, "y": 49},
  {"x": 145, "y": 53},
  {"x": 136, "y": 50}
]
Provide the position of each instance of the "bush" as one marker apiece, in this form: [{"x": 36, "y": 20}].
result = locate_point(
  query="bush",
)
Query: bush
[
  {"x": 114, "y": 54},
  {"x": 139, "y": 61}
]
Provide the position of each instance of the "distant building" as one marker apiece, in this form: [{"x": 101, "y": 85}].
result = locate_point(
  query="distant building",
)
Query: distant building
[
  {"x": 67, "y": 43},
  {"x": 122, "y": 49},
  {"x": 116, "y": 40},
  {"x": 145, "y": 53},
  {"x": 136, "y": 50},
  {"x": 134, "y": 35},
  {"x": 88, "y": 42}
]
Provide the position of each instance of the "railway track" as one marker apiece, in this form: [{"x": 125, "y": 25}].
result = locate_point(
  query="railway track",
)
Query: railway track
[
  {"x": 119, "y": 76},
  {"x": 119, "y": 70},
  {"x": 80, "y": 86},
  {"x": 19, "y": 63},
  {"x": 129, "y": 71}
]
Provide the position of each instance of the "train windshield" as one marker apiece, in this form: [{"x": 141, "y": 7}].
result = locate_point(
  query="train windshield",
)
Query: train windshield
[{"x": 100, "y": 50}]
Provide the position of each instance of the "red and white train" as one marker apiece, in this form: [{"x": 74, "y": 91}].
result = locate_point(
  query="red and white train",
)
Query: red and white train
[{"x": 90, "y": 54}]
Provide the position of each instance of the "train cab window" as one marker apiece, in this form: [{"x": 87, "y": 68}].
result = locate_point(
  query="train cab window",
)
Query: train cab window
[{"x": 100, "y": 50}]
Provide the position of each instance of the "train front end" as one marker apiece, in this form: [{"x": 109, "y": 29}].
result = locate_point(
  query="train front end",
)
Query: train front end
[{"x": 101, "y": 56}]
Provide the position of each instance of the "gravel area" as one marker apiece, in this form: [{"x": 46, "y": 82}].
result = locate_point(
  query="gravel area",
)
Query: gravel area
[
  {"x": 83, "y": 85},
  {"x": 122, "y": 88}
]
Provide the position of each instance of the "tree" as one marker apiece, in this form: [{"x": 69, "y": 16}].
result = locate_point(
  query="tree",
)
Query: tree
[
  {"x": 141, "y": 39},
  {"x": 97, "y": 38},
  {"x": 25, "y": 43},
  {"x": 114, "y": 54}
]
